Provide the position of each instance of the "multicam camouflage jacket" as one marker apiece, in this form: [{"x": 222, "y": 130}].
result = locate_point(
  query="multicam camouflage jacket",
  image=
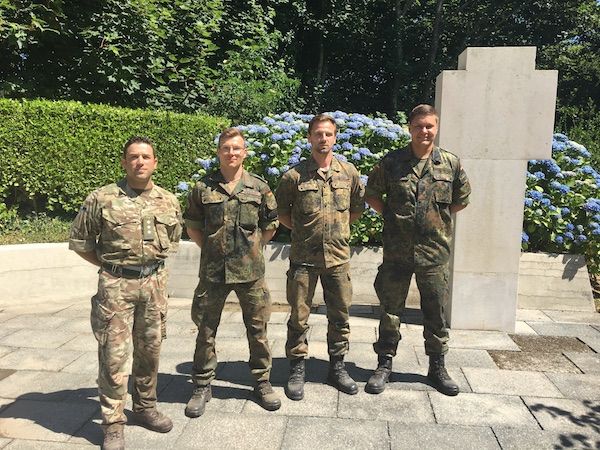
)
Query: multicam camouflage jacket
[
  {"x": 125, "y": 228},
  {"x": 417, "y": 221},
  {"x": 320, "y": 208},
  {"x": 232, "y": 225}
]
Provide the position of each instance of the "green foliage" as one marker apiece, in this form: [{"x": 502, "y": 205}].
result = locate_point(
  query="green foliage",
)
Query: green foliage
[
  {"x": 582, "y": 125},
  {"x": 55, "y": 153},
  {"x": 35, "y": 229},
  {"x": 279, "y": 141},
  {"x": 562, "y": 206}
]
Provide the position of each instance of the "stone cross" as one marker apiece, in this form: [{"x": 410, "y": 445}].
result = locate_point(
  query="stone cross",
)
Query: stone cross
[{"x": 496, "y": 113}]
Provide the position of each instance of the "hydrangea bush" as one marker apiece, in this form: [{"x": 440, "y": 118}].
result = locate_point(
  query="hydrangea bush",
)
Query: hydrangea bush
[
  {"x": 279, "y": 142},
  {"x": 562, "y": 210}
]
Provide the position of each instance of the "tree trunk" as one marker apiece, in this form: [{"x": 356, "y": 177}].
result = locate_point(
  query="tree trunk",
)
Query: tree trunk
[{"x": 435, "y": 43}]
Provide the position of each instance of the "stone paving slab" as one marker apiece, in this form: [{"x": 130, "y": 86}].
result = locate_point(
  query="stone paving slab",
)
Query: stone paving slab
[
  {"x": 481, "y": 409},
  {"x": 45, "y": 445},
  {"x": 86, "y": 363},
  {"x": 393, "y": 405},
  {"x": 35, "y": 322},
  {"x": 417, "y": 380},
  {"x": 43, "y": 338},
  {"x": 574, "y": 316},
  {"x": 510, "y": 382},
  {"x": 7, "y": 331},
  {"x": 234, "y": 432},
  {"x": 534, "y": 315},
  {"x": 516, "y": 439},
  {"x": 542, "y": 362},
  {"x": 48, "y": 386},
  {"x": 82, "y": 342},
  {"x": 461, "y": 357},
  {"x": 523, "y": 328},
  {"x": 76, "y": 310},
  {"x": 79, "y": 325},
  {"x": 320, "y": 400},
  {"x": 41, "y": 420},
  {"x": 576, "y": 386},
  {"x": 38, "y": 359},
  {"x": 485, "y": 340},
  {"x": 5, "y": 441},
  {"x": 587, "y": 362},
  {"x": 562, "y": 415},
  {"x": 6, "y": 350},
  {"x": 335, "y": 434},
  {"x": 549, "y": 344},
  {"x": 415, "y": 436},
  {"x": 592, "y": 342},
  {"x": 564, "y": 329}
]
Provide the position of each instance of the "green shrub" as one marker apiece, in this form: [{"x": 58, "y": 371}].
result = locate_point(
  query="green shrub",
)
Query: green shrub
[{"x": 55, "y": 153}]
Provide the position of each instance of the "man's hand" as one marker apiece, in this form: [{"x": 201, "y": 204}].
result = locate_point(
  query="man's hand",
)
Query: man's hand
[
  {"x": 90, "y": 257},
  {"x": 456, "y": 208},
  {"x": 376, "y": 203},
  {"x": 286, "y": 221},
  {"x": 195, "y": 235}
]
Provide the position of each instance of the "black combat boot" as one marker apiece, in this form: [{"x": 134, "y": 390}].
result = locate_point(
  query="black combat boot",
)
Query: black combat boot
[
  {"x": 376, "y": 384},
  {"x": 438, "y": 375},
  {"x": 195, "y": 406},
  {"x": 295, "y": 385},
  {"x": 338, "y": 376}
]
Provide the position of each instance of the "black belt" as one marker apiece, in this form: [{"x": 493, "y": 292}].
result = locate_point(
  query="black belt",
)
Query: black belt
[{"x": 133, "y": 271}]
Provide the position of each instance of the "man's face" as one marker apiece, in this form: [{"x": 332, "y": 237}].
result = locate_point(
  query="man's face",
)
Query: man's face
[
  {"x": 139, "y": 163},
  {"x": 322, "y": 137},
  {"x": 232, "y": 152},
  {"x": 423, "y": 129}
]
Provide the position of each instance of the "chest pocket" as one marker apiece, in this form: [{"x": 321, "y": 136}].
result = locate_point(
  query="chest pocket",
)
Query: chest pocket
[
  {"x": 401, "y": 196},
  {"x": 309, "y": 197},
  {"x": 442, "y": 186},
  {"x": 120, "y": 228},
  {"x": 341, "y": 194},
  {"x": 165, "y": 225},
  {"x": 214, "y": 208},
  {"x": 249, "y": 206}
]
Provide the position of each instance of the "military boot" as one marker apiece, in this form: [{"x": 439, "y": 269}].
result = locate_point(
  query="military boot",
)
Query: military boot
[
  {"x": 438, "y": 375},
  {"x": 153, "y": 420},
  {"x": 266, "y": 396},
  {"x": 376, "y": 384},
  {"x": 295, "y": 385},
  {"x": 195, "y": 406},
  {"x": 114, "y": 438},
  {"x": 338, "y": 376}
]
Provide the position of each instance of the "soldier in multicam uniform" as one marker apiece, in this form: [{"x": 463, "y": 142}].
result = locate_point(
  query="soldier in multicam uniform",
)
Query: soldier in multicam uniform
[
  {"x": 231, "y": 215},
  {"x": 128, "y": 229},
  {"x": 318, "y": 199},
  {"x": 424, "y": 185}
]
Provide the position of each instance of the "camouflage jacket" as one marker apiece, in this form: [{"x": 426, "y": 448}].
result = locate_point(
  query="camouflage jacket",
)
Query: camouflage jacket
[
  {"x": 320, "y": 210},
  {"x": 232, "y": 225},
  {"x": 125, "y": 228},
  {"x": 417, "y": 226}
]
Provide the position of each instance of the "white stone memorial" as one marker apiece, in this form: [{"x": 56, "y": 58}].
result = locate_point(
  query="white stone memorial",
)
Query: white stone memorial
[{"x": 496, "y": 113}]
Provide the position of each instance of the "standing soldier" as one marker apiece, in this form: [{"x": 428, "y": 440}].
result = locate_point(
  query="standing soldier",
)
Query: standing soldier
[
  {"x": 318, "y": 199},
  {"x": 231, "y": 215},
  {"x": 424, "y": 185},
  {"x": 128, "y": 229}
]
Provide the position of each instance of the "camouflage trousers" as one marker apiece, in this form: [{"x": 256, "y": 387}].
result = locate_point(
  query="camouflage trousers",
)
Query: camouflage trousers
[
  {"x": 391, "y": 284},
  {"x": 337, "y": 294},
  {"x": 207, "y": 306},
  {"x": 128, "y": 320}
]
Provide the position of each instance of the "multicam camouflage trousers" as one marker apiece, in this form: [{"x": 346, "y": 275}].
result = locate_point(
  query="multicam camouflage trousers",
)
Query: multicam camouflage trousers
[
  {"x": 207, "y": 306},
  {"x": 391, "y": 284},
  {"x": 337, "y": 294},
  {"x": 128, "y": 314}
]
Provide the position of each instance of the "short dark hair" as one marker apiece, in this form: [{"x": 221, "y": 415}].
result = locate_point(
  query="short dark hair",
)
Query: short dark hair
[
  {"x": 321, "y": 118},
  {"x": 138, "y": 140},
  {"x": 229, "y": 133},
  {"x": 422, "y": 110}
]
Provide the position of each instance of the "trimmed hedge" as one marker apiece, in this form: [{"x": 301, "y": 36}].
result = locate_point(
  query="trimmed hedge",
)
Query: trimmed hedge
[{"x": 53, "y": 153}]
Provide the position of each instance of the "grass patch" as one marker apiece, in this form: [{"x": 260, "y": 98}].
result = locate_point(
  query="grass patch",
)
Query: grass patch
[{"x": 34, "y": 229}]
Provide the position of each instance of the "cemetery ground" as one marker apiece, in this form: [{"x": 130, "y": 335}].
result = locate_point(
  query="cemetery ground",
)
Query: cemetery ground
[{"x": 537, "y": 388}]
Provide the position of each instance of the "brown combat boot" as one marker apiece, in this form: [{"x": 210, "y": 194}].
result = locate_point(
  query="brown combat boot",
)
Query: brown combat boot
[
  {"x": 266, "y": 396},
  {"x": 153, "y": 420},
  {"x": 197, "y": 403},
  {"x": 114, "y": 438}
]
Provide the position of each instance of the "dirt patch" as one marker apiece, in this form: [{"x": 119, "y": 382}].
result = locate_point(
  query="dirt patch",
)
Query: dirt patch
[
  {"x": 536, "y": 361},
  {"x": 549, "y": 344}
]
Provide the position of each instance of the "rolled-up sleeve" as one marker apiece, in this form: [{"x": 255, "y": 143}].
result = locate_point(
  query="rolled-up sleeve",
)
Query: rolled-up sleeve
[
  {"x": 376, "y": 182},
  {"x": 87, "y": 226},
  {"x": 284, "y": 194},
  {"x": 268, "y": 212},
  {"x": 194, "y": 216},
  {"x": 357, "y": 194},
  {"x": 461, "y": 188}
]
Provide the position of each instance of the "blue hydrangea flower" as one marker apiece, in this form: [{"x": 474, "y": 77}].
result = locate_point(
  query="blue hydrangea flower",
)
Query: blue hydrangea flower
[
  {"x": 340, "y": 157},
  {"x": 528, "y": 201},
  {"x": 343, "y": 136},
  {"x": 524, "y": 237},
  {"x": 559, "y": 239},
  {"x": 545, "y": 202},
  {"x": 183, "y": 186},
  {"x": 569, "y": 235},
  {"x": 592, "y": 205},
  {"x": 196, "y": 176},
  {"x": 263, "y": 157},
  {"x": 579, "y": 228},
  {"x": 535, "y": 195},
  {"x": 257, "y": 144},
  {"x": 596, "y": 231},
  {"x": 594, "y": 225},
  {"x": 364, "y": 179},
  {"x": 540, "y": 175},
  {"x": 347, "y": 146},
  {"x": 365, "y": 151},
  {"x": 581, "y": 238},
  {"x": 565, "y": 211},
  {"x": 294, "y": 159},
  {"x": 570, "y": 226},
  {"x": 274, "y": 171}
]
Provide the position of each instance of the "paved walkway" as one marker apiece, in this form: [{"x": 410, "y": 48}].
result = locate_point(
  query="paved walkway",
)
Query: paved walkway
[{"x": 537, "y": 389}]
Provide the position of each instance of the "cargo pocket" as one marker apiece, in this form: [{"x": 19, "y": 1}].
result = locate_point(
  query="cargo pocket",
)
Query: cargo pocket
[
  {"x": 100, "y": 320},
  {"x": 443, "y": 186},
  {"x": 341, "y": 194},
  {"x": 309, "y": 197},
  {"x": 249, "y": 206},
  {"x": 199, "y": 306},
  {"x": 165, "y": 224}
]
